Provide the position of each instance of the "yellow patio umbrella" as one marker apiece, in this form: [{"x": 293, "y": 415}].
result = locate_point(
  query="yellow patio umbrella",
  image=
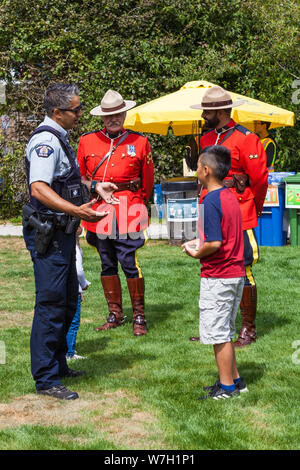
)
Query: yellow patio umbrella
[{"x": 173, "y": 111}]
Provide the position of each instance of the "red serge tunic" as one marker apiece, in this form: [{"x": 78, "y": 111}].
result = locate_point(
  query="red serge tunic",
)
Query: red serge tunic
[
  {"x": 247, "y": 157},
  {"x": 132, "y": 159}
]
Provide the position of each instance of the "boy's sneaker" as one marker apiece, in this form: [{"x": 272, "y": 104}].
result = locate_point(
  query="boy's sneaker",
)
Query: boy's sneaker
[
  {"x": 218, "y": 393},
  {"x": 212, "y": 388},
  {"x": 59, "y": 391},
  {"x": 75, "y": 356},
  {"x": 241, "y": 385}
]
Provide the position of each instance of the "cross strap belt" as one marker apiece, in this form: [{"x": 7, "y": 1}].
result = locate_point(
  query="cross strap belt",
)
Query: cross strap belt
[{"x": 132, "y": 185}]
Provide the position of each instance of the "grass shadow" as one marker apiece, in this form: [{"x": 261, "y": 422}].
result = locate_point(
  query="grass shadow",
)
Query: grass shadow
[
  {"x": 156, "y": 312},
  {"x": 110, "y": 364},
  {"x": 89, "y": 346},
  {"x": 251, "y": 371},
  {"x": 265, "y": 323}
]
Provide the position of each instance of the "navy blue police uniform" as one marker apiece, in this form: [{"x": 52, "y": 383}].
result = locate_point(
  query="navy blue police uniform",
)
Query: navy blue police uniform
[{"x": 50, "y": 159}]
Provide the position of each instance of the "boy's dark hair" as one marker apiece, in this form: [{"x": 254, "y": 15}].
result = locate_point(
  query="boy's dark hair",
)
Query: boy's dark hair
[{"x": 218, "y": 159}]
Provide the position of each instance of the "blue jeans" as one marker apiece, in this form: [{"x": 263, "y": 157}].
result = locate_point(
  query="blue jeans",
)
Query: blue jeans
[{"x": 73, "y": 330}]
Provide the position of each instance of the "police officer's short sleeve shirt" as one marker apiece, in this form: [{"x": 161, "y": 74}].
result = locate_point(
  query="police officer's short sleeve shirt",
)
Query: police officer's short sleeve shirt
[{"x": 46, "y": 156}]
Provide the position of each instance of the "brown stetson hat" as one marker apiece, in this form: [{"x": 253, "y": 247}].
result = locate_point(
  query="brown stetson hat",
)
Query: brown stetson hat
[
  {"x": 112, "y": 103},
  {"x": 217, "y": 98}
]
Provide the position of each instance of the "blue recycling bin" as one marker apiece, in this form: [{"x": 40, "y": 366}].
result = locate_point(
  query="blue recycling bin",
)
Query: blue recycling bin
[
  {"x": 272, "y": 225},
  {"x": 270, "y": 230}
]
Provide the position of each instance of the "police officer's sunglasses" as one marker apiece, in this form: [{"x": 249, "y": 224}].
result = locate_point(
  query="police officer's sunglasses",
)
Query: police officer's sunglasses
[{"x": 74, "y": 110}]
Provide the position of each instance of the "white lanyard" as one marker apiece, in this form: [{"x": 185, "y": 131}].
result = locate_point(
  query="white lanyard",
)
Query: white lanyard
[
  {"x": 110, "y": 152},
  {"x": 220, "y": 133}
]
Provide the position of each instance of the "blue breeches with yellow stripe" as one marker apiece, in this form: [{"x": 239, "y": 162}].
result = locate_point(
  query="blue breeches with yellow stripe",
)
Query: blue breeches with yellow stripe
[
  {"x": 118, "y": 249},
  {"x": 251, "y": 255}
]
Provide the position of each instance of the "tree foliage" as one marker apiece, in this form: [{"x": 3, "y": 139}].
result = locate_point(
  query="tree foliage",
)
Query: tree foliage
[{"x": 147, "y": 48}]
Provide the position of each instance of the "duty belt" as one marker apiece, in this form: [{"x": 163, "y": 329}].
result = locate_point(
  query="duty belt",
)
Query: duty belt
[
  {"x": 132, "y": 185},
  {"x": 61, "y": 221}
]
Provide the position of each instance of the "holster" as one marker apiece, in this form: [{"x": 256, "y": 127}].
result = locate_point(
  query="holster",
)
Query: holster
[
  {"x": 238, "y": 181},
  {"x": 44, "y": 230}
]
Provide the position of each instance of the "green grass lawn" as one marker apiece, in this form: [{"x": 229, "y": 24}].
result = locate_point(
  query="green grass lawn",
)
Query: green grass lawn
[{"x": 141, "y": 393}]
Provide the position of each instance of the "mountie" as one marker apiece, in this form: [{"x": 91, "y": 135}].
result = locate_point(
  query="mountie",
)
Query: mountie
[{"x": 114, "y": 460}]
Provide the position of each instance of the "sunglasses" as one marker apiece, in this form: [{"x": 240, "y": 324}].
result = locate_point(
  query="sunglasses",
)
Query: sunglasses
[{"x": 74, "y": 110}]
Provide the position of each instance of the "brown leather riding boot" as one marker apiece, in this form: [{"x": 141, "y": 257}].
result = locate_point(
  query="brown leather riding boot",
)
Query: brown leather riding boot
[
  {"x": 113, "y": 294},
  {"x": 136, "y": 287},
  {"x": 248, "y": 311}
]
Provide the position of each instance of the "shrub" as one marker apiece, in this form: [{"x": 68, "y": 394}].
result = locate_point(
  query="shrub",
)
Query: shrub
[{"x": 14, "y": 191}]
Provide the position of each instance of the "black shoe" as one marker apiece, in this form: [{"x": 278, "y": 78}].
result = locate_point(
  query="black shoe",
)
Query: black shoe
[
  {"x": 74, "y": 373},
  {"x": 59, "y": 391},
  {"x": 219, "y": 394},
  {"x": 212, "y": 388},
  {"x": 241, "y": 385}
]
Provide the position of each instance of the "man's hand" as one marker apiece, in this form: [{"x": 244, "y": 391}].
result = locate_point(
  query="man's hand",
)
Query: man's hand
[
  {"x": 86, "y": 212},
  {"x": 106, "y": 190}
]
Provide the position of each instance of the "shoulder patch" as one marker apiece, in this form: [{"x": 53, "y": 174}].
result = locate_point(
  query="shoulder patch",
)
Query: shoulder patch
[
  {"x": 44, "y": 151},
  {"x": 243, "y": 129}
]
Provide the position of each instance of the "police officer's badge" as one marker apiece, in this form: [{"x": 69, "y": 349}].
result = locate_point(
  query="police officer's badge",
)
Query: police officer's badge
[
  {"x": 44, "y": 151},
  {"x": 131, "y": 150}
]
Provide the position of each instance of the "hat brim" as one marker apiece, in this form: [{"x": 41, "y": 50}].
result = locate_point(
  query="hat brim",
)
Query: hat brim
[
  {"x": 234, "y": 104},
  {"x": 97, "y": 111}
]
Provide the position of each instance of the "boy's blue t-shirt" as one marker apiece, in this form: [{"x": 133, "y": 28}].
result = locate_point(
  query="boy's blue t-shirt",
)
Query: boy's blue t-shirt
[{"x": 222, "y": 221}]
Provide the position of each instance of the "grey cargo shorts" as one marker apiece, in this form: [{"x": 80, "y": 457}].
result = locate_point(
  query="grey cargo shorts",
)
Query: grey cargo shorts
[{"x": 218, "y": 304}]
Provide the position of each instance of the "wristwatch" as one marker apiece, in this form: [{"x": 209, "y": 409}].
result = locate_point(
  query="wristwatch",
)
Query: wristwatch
[{"x": 93, "y": 192}]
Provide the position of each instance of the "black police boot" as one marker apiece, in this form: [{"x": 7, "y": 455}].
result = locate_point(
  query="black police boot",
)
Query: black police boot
[{"x": 59, "y": 391}]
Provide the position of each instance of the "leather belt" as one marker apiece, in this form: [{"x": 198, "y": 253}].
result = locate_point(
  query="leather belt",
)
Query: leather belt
[{"x": 132, "y": 185}]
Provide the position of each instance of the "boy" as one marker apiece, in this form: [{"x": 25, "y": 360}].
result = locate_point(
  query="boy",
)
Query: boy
[
  {"x": 83, "y": 284},
  {"x": 222, "y": 271}
]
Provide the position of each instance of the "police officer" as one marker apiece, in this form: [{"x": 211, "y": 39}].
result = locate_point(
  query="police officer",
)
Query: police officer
[
  {"x": 247, "y": 179},
  {"x": 261, "y": 128},
  {"x": 124, "y": 158},
  {"x": 49, "y": 226}
]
